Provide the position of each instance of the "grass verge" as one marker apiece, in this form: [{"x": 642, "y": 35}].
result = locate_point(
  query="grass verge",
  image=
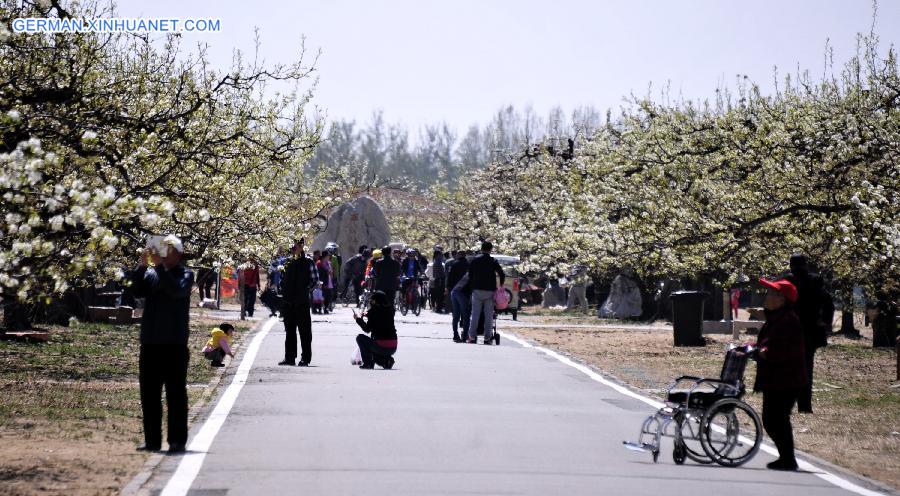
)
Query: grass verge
[{"x": 70, "y": 413}]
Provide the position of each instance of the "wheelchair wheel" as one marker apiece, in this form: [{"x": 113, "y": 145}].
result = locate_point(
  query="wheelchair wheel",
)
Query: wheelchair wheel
[
  {"x": 679, "y": 453},
  {"x": 731, "y": 432},
  {"x": 688, "y": 435}
]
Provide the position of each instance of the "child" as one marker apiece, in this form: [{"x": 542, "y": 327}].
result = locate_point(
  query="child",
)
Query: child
[
  {"x": 781, "y": 369},
  {"x": 219, "y": 344},
  {"x": 381, "y": 347},
  {"x": 318, "y": 298}
]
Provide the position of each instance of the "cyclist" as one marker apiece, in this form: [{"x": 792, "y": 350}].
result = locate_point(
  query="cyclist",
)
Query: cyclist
[
  {"x": 354, "y": 272},
  {"x": 367, "y": 280},
  {"x": 410, "y": 269}
]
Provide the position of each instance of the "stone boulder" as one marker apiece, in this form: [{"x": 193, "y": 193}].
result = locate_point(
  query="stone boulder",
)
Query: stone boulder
[
  {"x": 554, "y": 295},
  {"x": 358, "y": 222},
  {"x": 624, "y": 300}
]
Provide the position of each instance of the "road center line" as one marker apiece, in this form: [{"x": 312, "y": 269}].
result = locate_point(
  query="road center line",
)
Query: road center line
[
  {"x": 180, "y": 482},
  {"x": 817, "y": 471}
]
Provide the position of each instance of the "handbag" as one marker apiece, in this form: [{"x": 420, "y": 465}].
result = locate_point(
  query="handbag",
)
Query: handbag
[
  {"x": 317, "y": 296},
  {"x": 501, "y": 299}
]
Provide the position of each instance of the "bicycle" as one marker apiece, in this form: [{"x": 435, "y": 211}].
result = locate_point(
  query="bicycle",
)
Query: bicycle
[
  {"x": 408, "y": 299},
  {"x": 366, "y": 297},
  {"x": 424, "y": 293},
  {"x": 350, "y": 295}
]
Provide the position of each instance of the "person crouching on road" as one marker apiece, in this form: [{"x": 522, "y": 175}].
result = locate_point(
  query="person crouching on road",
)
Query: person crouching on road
[
  {"x": 781, "y": 370},
  {"x": 381, "y": 346},
  {"x": 219, "y": 344}
]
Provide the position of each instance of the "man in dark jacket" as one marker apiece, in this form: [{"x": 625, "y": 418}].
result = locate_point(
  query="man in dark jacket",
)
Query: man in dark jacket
[
  {"x": 353, "y": 272},
  {"x": 300, "y": 276},
  {"x": 387, "y": 274},
  {"x": 483, "y": 273},
  {"x": 439, "y": 275},
  {"x": 815, "y": 309},
  {"x": 164, "y": 351},
  {"x": 780, "y": 373},
  {"x": 460, "y": 294}
]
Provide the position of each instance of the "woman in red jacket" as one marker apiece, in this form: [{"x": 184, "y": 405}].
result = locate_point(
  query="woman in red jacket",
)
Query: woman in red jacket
[{"x": 781, "y": 373}]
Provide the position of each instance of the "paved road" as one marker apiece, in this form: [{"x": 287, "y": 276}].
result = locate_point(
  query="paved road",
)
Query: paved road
[{"x": 449, "y": 419}]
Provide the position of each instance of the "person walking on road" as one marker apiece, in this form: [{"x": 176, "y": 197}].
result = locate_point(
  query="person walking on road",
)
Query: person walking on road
[
  {"x": 482, "y": 272},
  {"x": 379, "y": 348},
  {"x": 781, "y": 373},
  {"x": 386, "y": 273},
  {"x": 815, "y": 309},
  {"x": 326, "y": 277},
  {"x": 735, "y": 298},
  {"x": 439, "y": 276},
  {"x": 164, "y": 353},
  {"x": 460, "y": 295},
  {"x": 250, "y": 274},
  {"x": 353, "y": 273},
  {"x": 300, "y": 276}
]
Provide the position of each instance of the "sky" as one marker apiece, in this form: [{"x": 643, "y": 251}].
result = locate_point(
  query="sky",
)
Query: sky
[{"x": 422, "y": 61}]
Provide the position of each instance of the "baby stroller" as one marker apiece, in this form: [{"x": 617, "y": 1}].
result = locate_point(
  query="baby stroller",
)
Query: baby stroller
[
  {"x": 480, "y": 331},
  {"x": 708, "y": 421}
]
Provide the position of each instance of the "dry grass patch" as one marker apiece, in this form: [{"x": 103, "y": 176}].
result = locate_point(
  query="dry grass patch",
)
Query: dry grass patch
[
  {"x": 857, "y": 419},
  {"x": 70, "y": 409}
]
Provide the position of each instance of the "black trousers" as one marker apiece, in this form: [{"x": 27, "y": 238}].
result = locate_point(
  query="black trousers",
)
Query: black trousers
[
  {"x": 328, "y": 295},
  {"x": 804, "y": 396},
  {"x": 370, "y": 352},
  {"x": 216, "y": 355},
  {"x": 438, "y": 296},
  {"x": 776, "y": 417},
  {"x": 249, "y": 299},
  {"x": 297, "y": 320},
  {"x": 164, "y": 365}
]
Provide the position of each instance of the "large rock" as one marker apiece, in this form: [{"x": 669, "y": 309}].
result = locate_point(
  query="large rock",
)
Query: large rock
[
  {"x": 624, "y": 300},
  {"x": 359, "y": 222},
  {"x": 554, "y": 295}
]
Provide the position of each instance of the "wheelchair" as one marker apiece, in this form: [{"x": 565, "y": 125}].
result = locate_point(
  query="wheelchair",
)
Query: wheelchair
[{"x": 706, "y": 418}]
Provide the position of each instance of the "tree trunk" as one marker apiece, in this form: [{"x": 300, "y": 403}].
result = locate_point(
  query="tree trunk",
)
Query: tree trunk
[
  {"x": 847, "y": 327},
  {"x": 16, "y": 316}
]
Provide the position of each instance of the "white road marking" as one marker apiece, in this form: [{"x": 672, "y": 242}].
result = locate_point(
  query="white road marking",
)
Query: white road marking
[
  {"x": 187, "y": 470},
  {"x": 804, "y": 465}
]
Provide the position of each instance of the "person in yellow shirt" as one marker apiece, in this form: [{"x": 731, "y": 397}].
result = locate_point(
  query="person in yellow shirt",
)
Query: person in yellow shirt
[{"x": 219, "y": 344}]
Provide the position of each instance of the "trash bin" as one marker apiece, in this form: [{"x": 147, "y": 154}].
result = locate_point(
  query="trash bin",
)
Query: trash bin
[
  {"x": 687, "y": 317},
  {"x": 884, "y": 328}
]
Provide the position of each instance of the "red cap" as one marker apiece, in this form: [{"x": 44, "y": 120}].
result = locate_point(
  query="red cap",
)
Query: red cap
[{"x": 783, "y": 286}]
